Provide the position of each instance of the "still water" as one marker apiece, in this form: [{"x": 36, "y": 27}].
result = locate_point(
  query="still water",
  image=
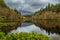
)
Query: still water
[{"x": 29, "y": 27}]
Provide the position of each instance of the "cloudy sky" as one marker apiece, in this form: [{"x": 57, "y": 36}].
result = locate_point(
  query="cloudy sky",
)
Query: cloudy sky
[{"x": 29, "y": 6}]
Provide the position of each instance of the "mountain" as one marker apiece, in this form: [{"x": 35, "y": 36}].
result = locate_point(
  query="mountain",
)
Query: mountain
[{"x": 24, "y": 12}]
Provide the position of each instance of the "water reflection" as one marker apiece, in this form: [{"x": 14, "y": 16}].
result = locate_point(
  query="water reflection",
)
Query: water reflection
[
  {"x": 28, "y": 28},
  {"x": 37, "y": 29},
  {"x": 25, "y": 24},
  {"x": 52, "y": 26},
  {"x": 54, "y": 36}
]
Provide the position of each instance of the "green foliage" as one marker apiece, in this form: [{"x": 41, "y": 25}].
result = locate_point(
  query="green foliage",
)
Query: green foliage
[
  {"x": 58, "y": 19},
  {"x": 17, "y": 11},
  {"x": 54, "y": 8},
  {"x": 50, "y": 7},
  {"x": 28, "y": 15},
  {"x": 2, "y": 4},
  {"x": 2, "y": 35},
  {"x": 1, "y": 19},
  {"x": 23, "y": 36}
]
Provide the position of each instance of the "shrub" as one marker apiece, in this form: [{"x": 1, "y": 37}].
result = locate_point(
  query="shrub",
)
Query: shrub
[{"x": 23, "y": 36}]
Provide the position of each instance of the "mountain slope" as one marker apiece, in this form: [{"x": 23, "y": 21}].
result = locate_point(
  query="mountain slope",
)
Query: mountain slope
[{"x": 9, "y": 18}]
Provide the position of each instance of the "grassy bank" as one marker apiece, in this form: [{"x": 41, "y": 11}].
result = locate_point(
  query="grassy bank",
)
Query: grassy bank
[{"x": 23, "y": 36}]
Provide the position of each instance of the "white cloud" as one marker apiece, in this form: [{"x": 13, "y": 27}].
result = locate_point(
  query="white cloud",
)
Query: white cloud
[
  {"x": 30, "y": 5},
  {"x": 22, "y": 1},
  {"x": 44, "y": 0},
  {"x": 14, "y": 1}
]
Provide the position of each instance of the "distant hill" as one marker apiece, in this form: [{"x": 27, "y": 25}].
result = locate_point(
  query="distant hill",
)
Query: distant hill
[
  {"x": 24, "y": 12},
  {"x": 51, "y": 11},
  {"x": 7, "y": 13}
]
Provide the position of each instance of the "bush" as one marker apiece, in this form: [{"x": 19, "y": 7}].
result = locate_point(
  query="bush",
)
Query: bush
[{"x": 23, "y": 36}]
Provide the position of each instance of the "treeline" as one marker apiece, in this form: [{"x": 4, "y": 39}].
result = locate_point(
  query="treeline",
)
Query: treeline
[
  {"x": 28, "y": 15},
  {"x": 53, "y": 8},
  {"x": 3, "y": 4},
  {"x": 17, "y": 11},
  {"x": 50, "y": 7}
]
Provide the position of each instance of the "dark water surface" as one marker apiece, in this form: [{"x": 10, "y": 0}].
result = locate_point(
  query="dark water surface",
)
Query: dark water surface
[{"x": 29, "y": 27}]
